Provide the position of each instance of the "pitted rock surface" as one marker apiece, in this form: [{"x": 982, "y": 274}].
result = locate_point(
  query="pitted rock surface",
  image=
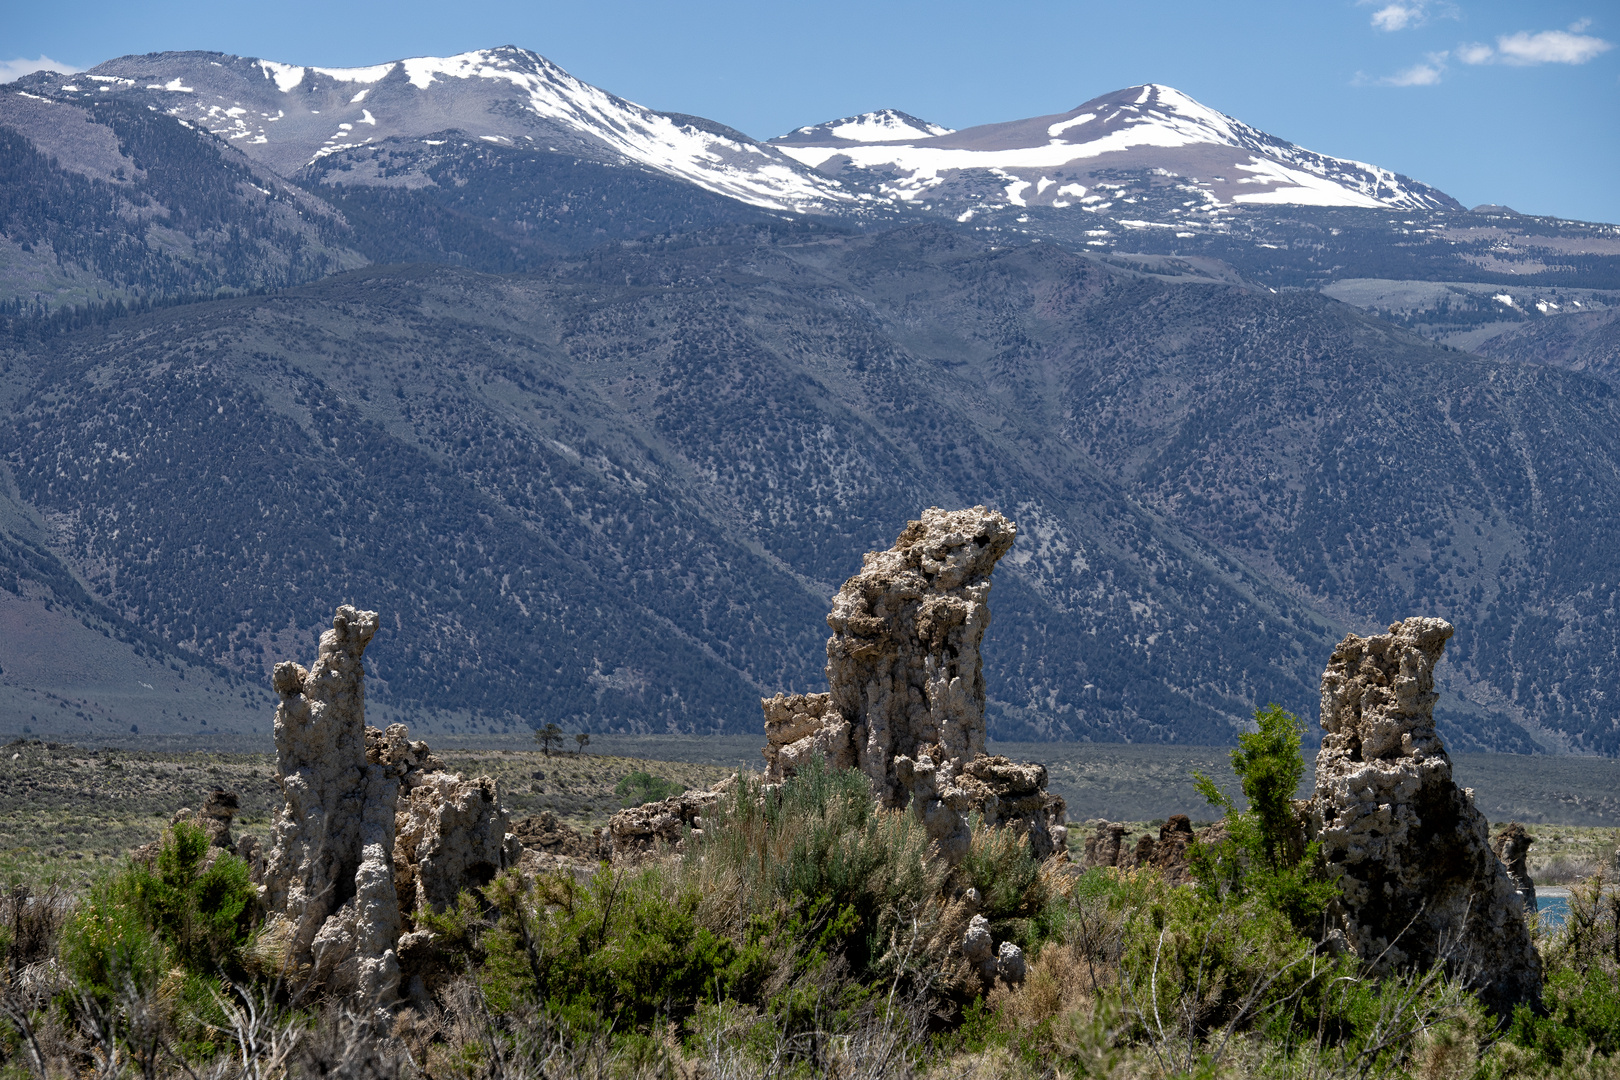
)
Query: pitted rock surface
[
  {"x": 452, "y": 834},
  {"x": 800, "y": 726},
  {"x": 903, "y": 663},
  {"x": 393, "y": 749},
  {"x": 1005, "y": 792},
  {"x": 329, "y": 877},
  {"x": 638, "y": 831},
  {"x": 1419, "y": 881}
]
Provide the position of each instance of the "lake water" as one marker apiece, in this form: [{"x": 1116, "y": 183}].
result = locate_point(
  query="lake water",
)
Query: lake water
[{"x": 1552, "y": 909}]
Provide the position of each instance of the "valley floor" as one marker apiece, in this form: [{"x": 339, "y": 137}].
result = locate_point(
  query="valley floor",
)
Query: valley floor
[{"x": 69, "y": 809}]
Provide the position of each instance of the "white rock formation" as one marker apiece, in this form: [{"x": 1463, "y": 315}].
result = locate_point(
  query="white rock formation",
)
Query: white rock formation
[
  {"x": 903, "y": 664},
  {"x": 453, "y": 834},
  {"x": 369, "y": 815},
  {"x": 1412, "y": 854},
  {"x": 329, "y": 878}
]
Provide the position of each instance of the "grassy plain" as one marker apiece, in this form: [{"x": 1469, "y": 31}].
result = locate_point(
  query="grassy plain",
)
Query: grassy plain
[{"x": 72, "y": 808}]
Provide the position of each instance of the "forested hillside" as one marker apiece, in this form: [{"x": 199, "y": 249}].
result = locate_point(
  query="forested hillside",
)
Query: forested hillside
[{"x": 618, "y": 493}]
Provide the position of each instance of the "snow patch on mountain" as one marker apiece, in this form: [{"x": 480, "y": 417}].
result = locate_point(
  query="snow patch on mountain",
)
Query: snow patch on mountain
[
  {"x": 375, "y": 73},
  {"x": 879, "y": 126},
  {"x": 1151, "y": 128},
  {"x": 286, "y": 76}
]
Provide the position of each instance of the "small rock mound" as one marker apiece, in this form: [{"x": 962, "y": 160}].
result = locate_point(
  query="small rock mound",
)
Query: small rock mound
[
  {"x": 800, "y": 726},
  {"x": 639, "y": 831},
  {"x": 1419, "y": 881},
  {"x": 543, "y": 832},
  {"x": 1169, "y": 855}
]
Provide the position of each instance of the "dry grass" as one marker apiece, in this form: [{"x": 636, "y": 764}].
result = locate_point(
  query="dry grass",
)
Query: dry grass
[
  {"x": 1566, "y": 854},
  {"x": 65, "y": 810}
]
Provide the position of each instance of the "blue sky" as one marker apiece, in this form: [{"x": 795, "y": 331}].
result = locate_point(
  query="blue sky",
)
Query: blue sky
[{"x": 1515, "y": 103}]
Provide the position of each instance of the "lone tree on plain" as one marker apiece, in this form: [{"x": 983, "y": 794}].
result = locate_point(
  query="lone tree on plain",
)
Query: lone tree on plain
[
  {"x": 549, "y": 737},
  {"x": 584, "y": 740}
]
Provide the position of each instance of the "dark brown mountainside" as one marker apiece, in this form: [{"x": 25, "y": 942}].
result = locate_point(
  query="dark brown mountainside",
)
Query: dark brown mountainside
[{"x": 618, "y": 494}]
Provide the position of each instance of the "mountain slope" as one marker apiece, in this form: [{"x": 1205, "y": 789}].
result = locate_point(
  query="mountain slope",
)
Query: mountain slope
[
  {"x": 1202, "y": 159},
  {"x": 619, "y": 493},
  {"x": 107, "y": 200},
  {"x": 290, "y": 117}
]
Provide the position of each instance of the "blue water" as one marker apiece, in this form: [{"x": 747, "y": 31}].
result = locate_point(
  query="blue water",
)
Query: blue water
[{"x": 1553, "y": 910}]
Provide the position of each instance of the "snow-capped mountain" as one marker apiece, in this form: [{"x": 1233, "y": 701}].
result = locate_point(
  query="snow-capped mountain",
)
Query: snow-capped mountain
[
  {"x": 882, "y": 126},
  {"x": 1206, "y": 159},
  {"x": 290, "y": 117}
]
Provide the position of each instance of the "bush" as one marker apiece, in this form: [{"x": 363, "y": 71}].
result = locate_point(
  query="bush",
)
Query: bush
[
  {"x": 817, "y": 853},
  {"x": 1581, "y": 997},
  {"x": 1262, "y": 853},
  {"x": 640, "y": 788},
  {"x": 619, "y": 951},
  {"x": 140, "y": 922}
]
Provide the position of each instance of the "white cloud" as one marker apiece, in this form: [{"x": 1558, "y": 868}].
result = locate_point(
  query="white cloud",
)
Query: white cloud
[
  {"x": 1427, "y": 73},
  {"x": 1525, "y": 49},
  {"x": 1416, "y": 75},
  {"x": 1395, "y": 15},
  {"x": 1550, "y": 47},
  {"x": 12, "y": 70}
]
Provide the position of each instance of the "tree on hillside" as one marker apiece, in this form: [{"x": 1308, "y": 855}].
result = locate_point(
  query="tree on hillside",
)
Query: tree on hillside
[
  {"x": 584, "y": 740},
  {"x": 549, "y": 737}
]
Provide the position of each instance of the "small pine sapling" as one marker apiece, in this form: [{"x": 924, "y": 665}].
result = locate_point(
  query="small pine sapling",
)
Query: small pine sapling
[{"x": 1263, "y": 853}]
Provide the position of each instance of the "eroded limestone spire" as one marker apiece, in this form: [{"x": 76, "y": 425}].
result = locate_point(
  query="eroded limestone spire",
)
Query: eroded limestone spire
[{"x": 1411, "y": 852}]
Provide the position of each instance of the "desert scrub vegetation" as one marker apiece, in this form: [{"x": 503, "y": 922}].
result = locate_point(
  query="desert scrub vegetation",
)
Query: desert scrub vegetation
[{"x": 803, "y": 932}]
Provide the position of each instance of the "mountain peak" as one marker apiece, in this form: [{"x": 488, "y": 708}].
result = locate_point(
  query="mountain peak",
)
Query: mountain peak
[
  {"x": 290, "y": 116},
  {"x": 1150, "y": 133},
  {"x": 878, "y": 126}
]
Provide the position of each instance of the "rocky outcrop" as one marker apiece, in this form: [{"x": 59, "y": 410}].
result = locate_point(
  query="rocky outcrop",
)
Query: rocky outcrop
[
  {"x": 214, "y": 820},
  {"x": 1005, "y": 792},
  {"x": 452, "y": 834},
  {"x": 903, "y": 663},
  {"x": 1168, "y": 855},
  {"x": 800, "y": 726},
  {"x": 542, "y": 832},
  {"x": 980, "y": 951},
  {"x": 1512, "y": 846},
  {"x": 905, "y": 701},
  {"x": 1105, "y": 845},
  {"x": 1419, "y": 881},
  {"x": 638, "y": 831},
  {"x": 372, "y": 829},
  {"x": 329, "y": 877}
]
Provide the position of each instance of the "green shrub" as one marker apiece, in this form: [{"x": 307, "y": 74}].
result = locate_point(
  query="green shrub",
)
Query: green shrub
[
  {"x": 1262, "y": 853},
  {"x": 139, "y": 923},
  {"x": 1582, "y": 1011},
  {"x": 618, "y": 952},
  {"x": 640, "y": 788},
  {"x": 1008, "y": 878},
  {"x": 816, "y": 851}
]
